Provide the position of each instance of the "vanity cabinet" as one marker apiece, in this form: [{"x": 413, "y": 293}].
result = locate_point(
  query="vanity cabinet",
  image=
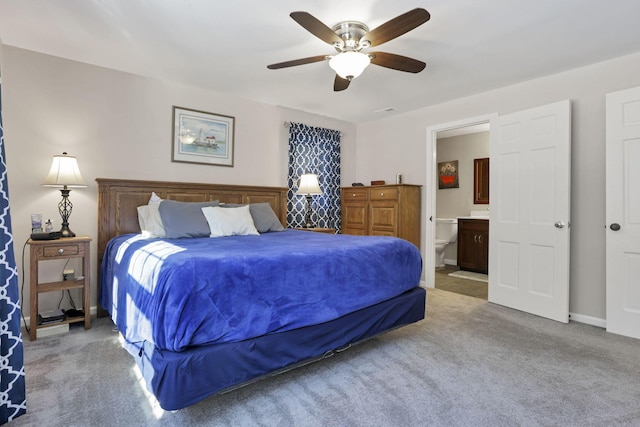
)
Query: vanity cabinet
[
  {"x": 382, "y": 210},
  {"x": 473, "y": 245}
]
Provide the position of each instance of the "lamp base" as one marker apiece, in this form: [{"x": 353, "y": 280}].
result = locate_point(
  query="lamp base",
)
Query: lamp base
[
  {"x": 66, "y": 232},
  {"x": 308, "y": 223},
  {"x": 65, "y": 207}
]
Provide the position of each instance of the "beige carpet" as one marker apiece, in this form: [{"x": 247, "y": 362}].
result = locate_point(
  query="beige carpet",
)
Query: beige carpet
[{"x": 469, "y": 363}]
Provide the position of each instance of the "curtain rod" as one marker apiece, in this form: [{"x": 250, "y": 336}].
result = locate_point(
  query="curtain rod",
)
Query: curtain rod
[{"x": 288, "y": 125}]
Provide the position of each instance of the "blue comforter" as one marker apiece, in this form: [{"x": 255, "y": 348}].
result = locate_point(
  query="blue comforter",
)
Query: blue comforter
[{"x": 177, "y": 293}]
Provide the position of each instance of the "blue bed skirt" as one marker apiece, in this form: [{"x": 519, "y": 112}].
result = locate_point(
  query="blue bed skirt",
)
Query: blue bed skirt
[{"x": 180, "y": 379}]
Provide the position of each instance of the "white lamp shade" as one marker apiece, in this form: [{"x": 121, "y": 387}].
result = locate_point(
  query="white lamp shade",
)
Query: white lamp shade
[
  {"x": 64, "y": 172},
  {"x": 309, "y": 185},
  {"x": 349, "y": 65}
]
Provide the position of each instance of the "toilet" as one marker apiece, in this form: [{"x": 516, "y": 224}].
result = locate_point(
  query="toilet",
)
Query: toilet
[{"x": 446, "y": 232}]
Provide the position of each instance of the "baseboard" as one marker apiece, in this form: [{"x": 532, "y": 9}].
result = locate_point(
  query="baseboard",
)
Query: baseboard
[
  {"x": 52, "y": 330},
  {"x": 593, "y": 321},
  {"x": 451, "y": 261}
]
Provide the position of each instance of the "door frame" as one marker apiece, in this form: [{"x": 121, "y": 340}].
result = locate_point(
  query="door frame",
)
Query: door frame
[{"x": 429, "y": 237}]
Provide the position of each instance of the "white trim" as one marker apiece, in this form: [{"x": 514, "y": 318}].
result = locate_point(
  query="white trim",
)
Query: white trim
[{"x": 593, "y": 321}]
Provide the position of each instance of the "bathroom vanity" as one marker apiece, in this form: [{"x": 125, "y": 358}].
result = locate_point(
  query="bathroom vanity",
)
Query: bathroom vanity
[{"x": 473, "y": 244}]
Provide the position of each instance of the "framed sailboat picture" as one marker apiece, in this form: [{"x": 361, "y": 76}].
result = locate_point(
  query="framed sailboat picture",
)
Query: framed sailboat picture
[{"x": 201, "y": 137}]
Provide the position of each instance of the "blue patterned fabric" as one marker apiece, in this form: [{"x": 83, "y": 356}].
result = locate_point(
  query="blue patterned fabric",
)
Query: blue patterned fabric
[
  {"x": 13, "y": 402},
  {"x": 314, "y": 150}
]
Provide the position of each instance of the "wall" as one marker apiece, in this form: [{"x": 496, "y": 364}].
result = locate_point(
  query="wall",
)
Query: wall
[
  {"x": 586, "y": 88},
  {"x": 118, "y": 125},
  {"x": 455, "y": 202}
]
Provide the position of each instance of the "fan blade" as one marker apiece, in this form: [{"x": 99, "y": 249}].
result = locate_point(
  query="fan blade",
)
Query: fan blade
[
  {"x": 397, "y": 26},
  {"x": 316, "y": 27},
  {"x": 340, "y": 84},
  {"x": 295, "y": 62},
  {"x": 397, "y": 62}
]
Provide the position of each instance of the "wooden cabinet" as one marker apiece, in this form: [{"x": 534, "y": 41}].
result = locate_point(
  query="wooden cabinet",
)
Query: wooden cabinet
[
  {"x": 473, "y": 245},
  {"x": 66, "y": 248},
  {"x": 481, "y": 181},
  {"x": 382, "y": 210},
  {"x": 355, "y": 208}
]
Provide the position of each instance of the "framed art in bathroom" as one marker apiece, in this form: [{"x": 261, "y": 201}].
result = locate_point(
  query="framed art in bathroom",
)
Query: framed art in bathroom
[{"x": 448, "y": 175}]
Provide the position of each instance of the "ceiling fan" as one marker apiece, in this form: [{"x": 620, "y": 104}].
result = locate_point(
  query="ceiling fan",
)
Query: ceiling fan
[{"x": 349, "y": 38}]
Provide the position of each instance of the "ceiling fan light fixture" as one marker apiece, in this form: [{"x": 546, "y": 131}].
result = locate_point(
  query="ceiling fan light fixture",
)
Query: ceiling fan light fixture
[{"x": 349, "y": 65}]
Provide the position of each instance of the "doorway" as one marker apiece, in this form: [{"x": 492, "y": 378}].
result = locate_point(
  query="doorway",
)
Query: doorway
[
  {"x": 530, "y": 208},
  {"x": 451, "y": 203}
]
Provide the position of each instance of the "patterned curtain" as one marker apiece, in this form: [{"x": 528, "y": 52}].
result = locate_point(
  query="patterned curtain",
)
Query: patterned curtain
[
  {"x": 13, "y": 402},
  {"x": 314, "y": 150}
]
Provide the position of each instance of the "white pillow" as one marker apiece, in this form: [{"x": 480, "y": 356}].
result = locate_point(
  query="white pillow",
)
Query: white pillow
[
  {"x": 154, "y": 198},
  {"x": 229, "y": 221},
  {"x": 149, "y": 218}
]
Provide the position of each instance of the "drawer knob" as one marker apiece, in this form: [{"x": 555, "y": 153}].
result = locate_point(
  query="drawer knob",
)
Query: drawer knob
[
  {"x": 60, "y": 251},
  {"x": 382, "y": 194}
]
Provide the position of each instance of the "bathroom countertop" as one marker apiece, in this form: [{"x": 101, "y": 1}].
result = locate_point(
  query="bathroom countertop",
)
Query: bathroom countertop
[{"x": 484, "y": 218}]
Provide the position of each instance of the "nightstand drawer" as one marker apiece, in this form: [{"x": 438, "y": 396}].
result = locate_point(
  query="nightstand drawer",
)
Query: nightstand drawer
[{"x": 61, "y": 250}]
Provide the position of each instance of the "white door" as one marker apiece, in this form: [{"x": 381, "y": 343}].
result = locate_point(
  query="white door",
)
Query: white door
[
  {"x": 529, "y": 214},
  {"x": 623, "y": 212}
]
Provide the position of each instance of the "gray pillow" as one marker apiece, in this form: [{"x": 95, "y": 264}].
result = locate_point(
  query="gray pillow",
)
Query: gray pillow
[
  {"x": 264, "y": 218},
  {"x": 184, "y": 219}
]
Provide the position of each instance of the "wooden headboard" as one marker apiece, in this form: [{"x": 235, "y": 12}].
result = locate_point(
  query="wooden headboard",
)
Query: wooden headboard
[{"x": 118, "y": 200}]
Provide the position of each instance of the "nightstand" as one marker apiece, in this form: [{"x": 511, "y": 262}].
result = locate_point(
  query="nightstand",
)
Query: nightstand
[
  {"x": 65, "y": 248},
  {"x": 319, "y": 230}
]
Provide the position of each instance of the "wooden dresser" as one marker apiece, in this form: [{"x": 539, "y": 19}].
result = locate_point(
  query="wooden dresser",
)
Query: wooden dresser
[{"x": 382, "y": 210}]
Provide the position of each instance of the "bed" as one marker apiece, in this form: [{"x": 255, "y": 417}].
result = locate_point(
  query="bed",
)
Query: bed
[{"x": 204, "y": 315}]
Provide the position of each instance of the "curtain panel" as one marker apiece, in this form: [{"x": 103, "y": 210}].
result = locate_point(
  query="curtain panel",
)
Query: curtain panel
[
  {"x": 13, "y": 402},
  {"x": 314, "y": 150}
]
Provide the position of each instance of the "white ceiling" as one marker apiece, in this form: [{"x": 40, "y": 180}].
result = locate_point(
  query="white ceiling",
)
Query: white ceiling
[{"x": 469, "y": 46}]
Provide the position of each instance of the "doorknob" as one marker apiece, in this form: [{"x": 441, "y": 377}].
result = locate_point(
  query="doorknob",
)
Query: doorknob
[
  {"x": 559, "y": 224},
  {"x": 615, "y": 226}
]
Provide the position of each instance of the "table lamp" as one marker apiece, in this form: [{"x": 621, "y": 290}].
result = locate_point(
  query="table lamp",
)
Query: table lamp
[
  {"x": 64, "y": 173},
  {"x": 309, "y": 187}
]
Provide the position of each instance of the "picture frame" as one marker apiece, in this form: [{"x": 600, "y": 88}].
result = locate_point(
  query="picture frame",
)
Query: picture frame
[
  {"x": 202, "y": 137},
  {"x": 448, "y": 175}
]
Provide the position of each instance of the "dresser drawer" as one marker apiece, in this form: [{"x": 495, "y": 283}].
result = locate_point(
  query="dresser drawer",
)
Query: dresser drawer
[
  {"x": 384, "y": 194},
  {"x": 354, "y": 194},
  {"x": 61, "y": 250}
]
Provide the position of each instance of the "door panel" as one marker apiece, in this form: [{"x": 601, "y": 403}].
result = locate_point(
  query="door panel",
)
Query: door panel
[
  {"x": 529, "y": 215},
  {"x": 623, "y": 211}
]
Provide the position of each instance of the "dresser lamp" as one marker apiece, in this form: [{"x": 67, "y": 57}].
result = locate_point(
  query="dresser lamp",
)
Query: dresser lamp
[
  {"x": 64, "y": 173},
  {"x": 309, "y": 187}
]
